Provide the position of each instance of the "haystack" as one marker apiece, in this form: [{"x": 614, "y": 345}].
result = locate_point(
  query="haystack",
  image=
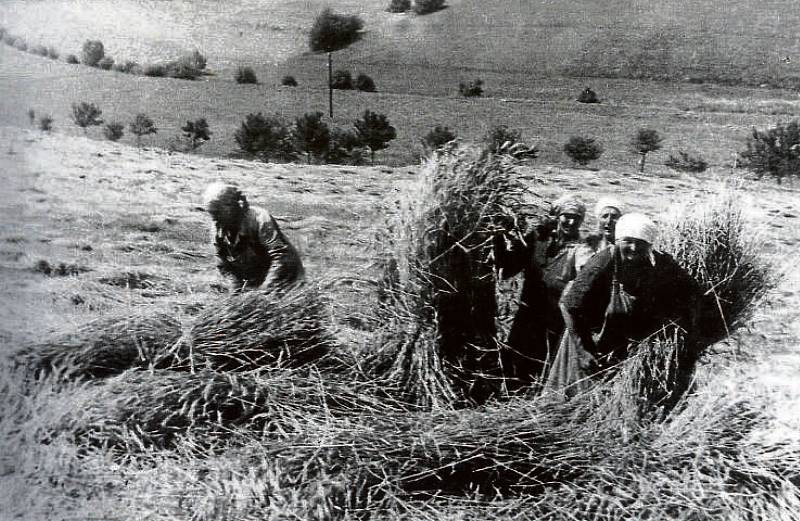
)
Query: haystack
[
  {"x": 255, "y": 329},
  {"x": 439, "y": 319}
]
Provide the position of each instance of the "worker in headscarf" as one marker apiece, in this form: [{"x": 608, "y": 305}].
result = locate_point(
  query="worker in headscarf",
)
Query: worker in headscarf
[
  {"x": 546, "y": 256},
  {"x": 621, "y": 296},
  {"x": 608, "y": 210},
  {"x": 251, "y": 248}
]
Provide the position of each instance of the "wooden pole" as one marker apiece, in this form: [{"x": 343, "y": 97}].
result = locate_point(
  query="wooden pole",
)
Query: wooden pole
[{"x": 330, "y": 85}]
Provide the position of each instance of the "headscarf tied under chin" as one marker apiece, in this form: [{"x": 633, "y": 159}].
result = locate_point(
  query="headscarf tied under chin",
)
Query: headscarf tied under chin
[
  {"x": 638, "y": 226},
  {"x": 607, "y": 202},
  {"x": 568, "y": 204}
]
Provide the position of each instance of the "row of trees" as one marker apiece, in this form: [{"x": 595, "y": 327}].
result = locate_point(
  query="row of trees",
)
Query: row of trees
[{"x": 271, "y": 138}]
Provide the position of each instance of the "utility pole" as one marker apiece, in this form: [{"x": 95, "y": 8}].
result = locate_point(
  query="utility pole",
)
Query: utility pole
[{"x": 330, "y": 85}]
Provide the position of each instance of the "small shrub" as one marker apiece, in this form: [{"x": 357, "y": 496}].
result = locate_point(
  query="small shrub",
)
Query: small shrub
[
  {"x": 345, "y": 147},
  {"x": 472, "y": 89},
  {"x": 399, "y": 6},
  {"x": 39, "y": 50},
  {"x": 106, "y": 63},
  {"x": 92, "y": 52},
  {"x": 645, "y": 140},
  {"x": 113, "y": 131},
  {"x": 588, "y": 96},
  {"x": 438, "y": 137},
  {"x": 86, "y": 115},
  {"x": 46, "y": 123},
  {"x": 128, "y": 67},
  {"x": 583, "y": 150},
  {"x": 142, "y": 125},
  {"x": 72, "y": 59},
  {"x": 774, "y": 151},
  {"x": 182, "y": 70},
  {"x": 332, "y": 31},
  {"x": 501, "y": 136},
  {"x": 197, "y": 132},
  {"x": 428, "y": 6},
  {"x": 289, "y": 81},
  {"x": 31, "y": 116},
  {"x": 265, "y": 136},
  {"x": 311, "y": 135},
  {"x": 52, "y": 53},
  {"x": 245, "y": 75},
  {"x": 195, "y": 60},
  {"x": 686, "y": 162},
  {"x": 20, "y": 44},
  {"x": 156, "y": 70},
  {"x": 342, "y": 80},
  {"x": 374, "y": 131},
  {"x": 365, "y": 83}
]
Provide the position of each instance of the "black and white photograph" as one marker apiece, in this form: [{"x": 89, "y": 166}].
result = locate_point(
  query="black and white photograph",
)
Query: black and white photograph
[{"x": 399, "y": 260}]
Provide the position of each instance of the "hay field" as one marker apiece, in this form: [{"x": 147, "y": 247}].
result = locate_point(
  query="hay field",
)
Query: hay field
[{"x": 128, "y": 220}]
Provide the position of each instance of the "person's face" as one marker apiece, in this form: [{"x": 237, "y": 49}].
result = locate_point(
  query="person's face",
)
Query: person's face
[
  {"x": 634, "y": 251},
  {"x": 569, "y": 225},
  {"x": 607, "y": 222}
]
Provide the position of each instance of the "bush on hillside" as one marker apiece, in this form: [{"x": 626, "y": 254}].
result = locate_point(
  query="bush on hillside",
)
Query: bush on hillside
[
  {"x": 332, "y": 31},
  {"x": 645, "y": 140},
  {"x": 245, "y": 75},
  {"x": 52, "y": 53},
  {"x": 20, "y": 44},
  {"x": 289, "y": 81},
  {"x": 182, "y": 69},
  {"x": 197, "y": 132},
  {"x": 106, "y": 63},
  {"x": 72, "y": 59},
  {"x": 588, "y": 96},
  {"x": 342, "y": 80},
  {"x": 31, "y": 116},
  {"x": 128, "y": 67},
  {"x": 364, "y": 83},
  {"x": 774, "y": 151},
  {"x": 686, "y": 162},
  {"x": 155, "y": 70},
  {"x": 92, "y": 52},
  {"x": 267, "y": 137},
  {"x": 500, "y": 135},
  {"x": 86, "y": 115},
  {"x": 113, "y": 131},
  {"x": 583, "y": 150},
  {"x": 46, "y": 123},
  {"x": 345, "y": 147},
  {"x": 374, "y": 131},
  {"x": 428, "y": 6},
  {"x": 9, "y": 38},
  {"x": 311, "y": 135},
  {"x": 39, "y": 50},
  {"x": 472, "y": 89},
  {"x": 438, "y": 137},
  {"x": 142, "y": 125},
  {"x": 195, "y": 60},
  {"x": 399, "y": 6}
]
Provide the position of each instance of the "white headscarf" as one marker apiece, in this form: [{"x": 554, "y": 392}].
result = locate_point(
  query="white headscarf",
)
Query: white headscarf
[
  {"x": 607, "y": 202},
  {"x": 215, "y": 191},
  {"x": 636, "y": 226}
]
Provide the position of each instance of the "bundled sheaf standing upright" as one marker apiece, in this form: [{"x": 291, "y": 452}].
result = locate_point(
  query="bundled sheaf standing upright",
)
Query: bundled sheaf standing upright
[{"x": 439, "y": 343}]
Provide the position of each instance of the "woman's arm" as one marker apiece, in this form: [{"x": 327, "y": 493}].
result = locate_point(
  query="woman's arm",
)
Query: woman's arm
[{"x": 512, "y": 254}]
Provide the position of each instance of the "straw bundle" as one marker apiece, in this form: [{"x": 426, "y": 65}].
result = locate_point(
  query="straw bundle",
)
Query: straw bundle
[
  {"x": 140, "y": 408},
  {"x": 255, "y": 329},
  {"x": 725, "y": 254},
  {"x": 105, "y": 346},
  {"x": 439, "y": 240}
]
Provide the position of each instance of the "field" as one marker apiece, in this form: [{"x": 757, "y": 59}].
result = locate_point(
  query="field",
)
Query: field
[{"x": 91, "y": 229}]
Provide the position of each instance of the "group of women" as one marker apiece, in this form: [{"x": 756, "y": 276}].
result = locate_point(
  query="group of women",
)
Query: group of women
[{"x": 585, "y": 300}]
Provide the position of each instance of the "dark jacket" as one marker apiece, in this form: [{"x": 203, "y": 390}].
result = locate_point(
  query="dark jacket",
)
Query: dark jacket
[
  {"x": 548, "y": 265},
  {"x": 662, "y": 291}
]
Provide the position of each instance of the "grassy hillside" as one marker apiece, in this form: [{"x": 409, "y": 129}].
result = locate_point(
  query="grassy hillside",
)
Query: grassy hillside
[{"x": 714, "y": 120}]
